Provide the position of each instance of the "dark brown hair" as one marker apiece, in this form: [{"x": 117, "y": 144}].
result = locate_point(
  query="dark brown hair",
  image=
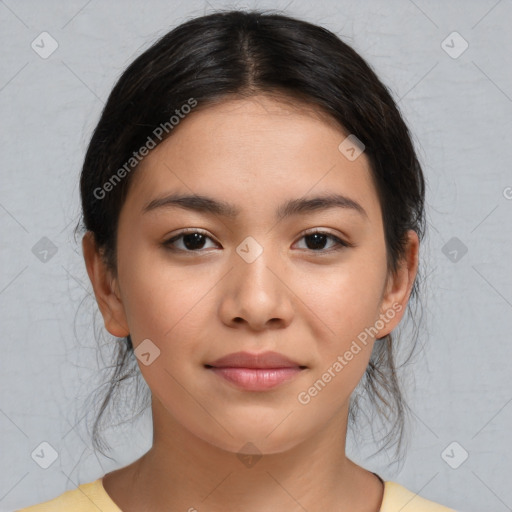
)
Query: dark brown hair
[{"x": 242, "y": 53}]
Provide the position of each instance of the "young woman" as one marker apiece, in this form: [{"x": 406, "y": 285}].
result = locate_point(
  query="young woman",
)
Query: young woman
[{"x": 253, "y": 208}]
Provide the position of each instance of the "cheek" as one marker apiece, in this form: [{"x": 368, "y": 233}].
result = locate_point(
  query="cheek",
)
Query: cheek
[
  {"x": 158, "y": 295},
  {"x": 345, "y": 302},
  {"x": 168, "y": 307},
  {"x": 344, "y": 312},
  {"x": 344, "y": 298}
]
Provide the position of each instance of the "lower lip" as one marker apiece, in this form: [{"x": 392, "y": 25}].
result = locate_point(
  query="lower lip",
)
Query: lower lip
[{"x": 257, "y": 379}]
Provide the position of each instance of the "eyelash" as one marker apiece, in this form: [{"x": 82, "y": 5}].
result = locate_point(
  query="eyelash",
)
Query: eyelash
[{"x": 340, "y": 244}]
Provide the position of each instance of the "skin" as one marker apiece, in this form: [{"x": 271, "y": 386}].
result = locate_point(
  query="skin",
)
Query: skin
[{"x": 308, "y": 304}]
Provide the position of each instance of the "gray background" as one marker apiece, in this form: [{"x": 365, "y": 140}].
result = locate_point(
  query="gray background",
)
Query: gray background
[{"x": 459, "y": 110}]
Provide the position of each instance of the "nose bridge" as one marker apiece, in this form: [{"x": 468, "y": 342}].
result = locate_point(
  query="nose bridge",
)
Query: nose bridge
[
  {"x": 253, "y": 269},
  {"x": 256, "y": 292}
]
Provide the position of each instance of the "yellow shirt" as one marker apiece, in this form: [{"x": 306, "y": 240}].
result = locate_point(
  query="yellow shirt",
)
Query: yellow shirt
[{"x": 92, "y": 497}]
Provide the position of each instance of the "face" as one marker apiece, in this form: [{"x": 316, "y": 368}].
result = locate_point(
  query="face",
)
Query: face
[{"x": 242, "y": 272}]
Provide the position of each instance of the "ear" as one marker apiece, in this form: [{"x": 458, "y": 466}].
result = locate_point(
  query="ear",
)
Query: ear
[
  {"x": 105, "y": 288},
  {"x": 399, "y": 286}
]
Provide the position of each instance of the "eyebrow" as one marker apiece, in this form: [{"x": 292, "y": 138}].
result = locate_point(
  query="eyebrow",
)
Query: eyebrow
[{"x": 302, "y": 206}]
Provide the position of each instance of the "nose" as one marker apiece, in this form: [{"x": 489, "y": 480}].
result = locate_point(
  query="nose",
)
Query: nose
[{"x": 257, "y": 295}]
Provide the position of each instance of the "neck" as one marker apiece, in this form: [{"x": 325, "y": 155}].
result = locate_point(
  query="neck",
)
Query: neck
[{"x": 183, "y": 472}]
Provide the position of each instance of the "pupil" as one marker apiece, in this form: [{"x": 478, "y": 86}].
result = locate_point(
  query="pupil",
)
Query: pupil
[
  {"x": 193, "y": 241},
  {"x": 196, "y": 241},
  {"x": 319, "y": 241}
]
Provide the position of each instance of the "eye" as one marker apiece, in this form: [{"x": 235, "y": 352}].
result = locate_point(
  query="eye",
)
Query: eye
[
  {"x": 192, "y": 241},
  {"x": 316, "y": 240}
]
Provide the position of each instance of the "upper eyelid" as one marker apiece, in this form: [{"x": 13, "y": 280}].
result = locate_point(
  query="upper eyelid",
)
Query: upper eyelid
[{"x": 310, "y": 231}]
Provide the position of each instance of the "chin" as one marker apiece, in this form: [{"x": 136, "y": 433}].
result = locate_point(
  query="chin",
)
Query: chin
[{"x": 244, "y": 441}]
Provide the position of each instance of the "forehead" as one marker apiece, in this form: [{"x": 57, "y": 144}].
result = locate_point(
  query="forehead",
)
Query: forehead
[{"x": 253, "y": 152}]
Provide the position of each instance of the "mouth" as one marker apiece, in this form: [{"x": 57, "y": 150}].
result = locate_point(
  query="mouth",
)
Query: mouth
[{"x": 255, "y": 372}]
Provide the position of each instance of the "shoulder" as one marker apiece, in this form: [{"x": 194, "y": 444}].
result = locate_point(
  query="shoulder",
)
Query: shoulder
[
  {"x": 92, "y": 496},
  {"x": 398, "y": 498},
  {"x": 89, "y": 497}
]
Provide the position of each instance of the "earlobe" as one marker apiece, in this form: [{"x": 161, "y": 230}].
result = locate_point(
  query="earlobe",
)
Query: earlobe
[
  {"x": 105, "y": 288},
  {"x": 399, "y": 286}
]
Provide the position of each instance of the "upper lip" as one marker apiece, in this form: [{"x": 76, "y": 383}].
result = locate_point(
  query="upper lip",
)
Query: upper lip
[{"x": 248, "y": 360}]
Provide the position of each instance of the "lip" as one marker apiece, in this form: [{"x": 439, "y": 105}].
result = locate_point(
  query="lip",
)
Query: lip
[
  {"x": 263, "y": 360},
  {"x": 255, "y": 372}
]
